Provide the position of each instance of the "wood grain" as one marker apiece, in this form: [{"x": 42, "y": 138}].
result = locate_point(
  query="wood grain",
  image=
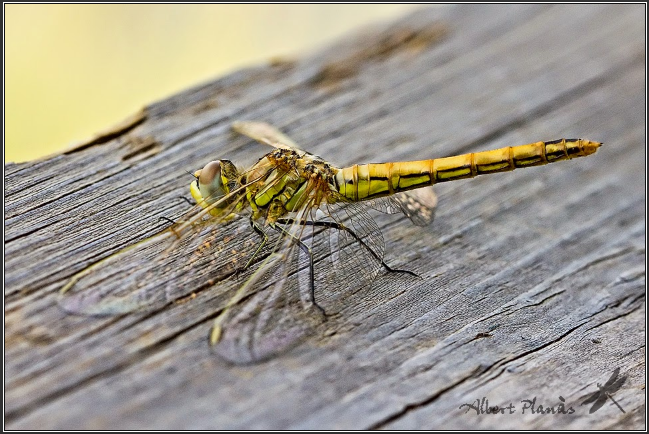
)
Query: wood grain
[{"x": 533, "y": 282}]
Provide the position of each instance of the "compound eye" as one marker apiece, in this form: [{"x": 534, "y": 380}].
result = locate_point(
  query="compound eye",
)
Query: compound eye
[{"x": 210, "y": 183}]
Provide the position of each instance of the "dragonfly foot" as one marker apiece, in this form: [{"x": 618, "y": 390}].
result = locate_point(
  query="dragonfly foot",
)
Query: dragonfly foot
[
  {"x": 167, "y": 219},
  {"x": 238, "y": 271},
  {"x": 187, "y": 200},
  {"x": 395, "y": 270},
  {"x": 321, "y": 310}
]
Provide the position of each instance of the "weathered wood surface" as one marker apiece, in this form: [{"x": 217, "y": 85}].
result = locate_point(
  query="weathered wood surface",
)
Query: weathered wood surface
[{"x": 533, "y": 281}]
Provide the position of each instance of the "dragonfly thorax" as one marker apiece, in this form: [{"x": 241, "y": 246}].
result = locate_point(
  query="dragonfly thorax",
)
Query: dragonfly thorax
[{"x": 285, "y": 181}]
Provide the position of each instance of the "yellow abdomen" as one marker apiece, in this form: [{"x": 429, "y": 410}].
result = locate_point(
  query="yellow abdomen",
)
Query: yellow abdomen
[{"x": 368, "y": 181}]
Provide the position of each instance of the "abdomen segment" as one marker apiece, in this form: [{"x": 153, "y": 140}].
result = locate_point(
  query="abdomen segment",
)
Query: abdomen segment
[{"x": 368, "y": 181}]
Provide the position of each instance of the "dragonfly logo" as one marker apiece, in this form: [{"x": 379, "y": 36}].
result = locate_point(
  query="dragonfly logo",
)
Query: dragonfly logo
[
  {"x": 605, "y": 392},
  {"x": 537, "y": 407}
]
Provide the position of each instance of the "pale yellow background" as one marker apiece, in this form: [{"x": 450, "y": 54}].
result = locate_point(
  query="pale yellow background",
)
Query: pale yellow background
[{"x": 74, "y": 70}]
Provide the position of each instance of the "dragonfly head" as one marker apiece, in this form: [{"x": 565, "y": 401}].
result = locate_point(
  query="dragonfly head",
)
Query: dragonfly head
[{"x": 212, "y": 182}]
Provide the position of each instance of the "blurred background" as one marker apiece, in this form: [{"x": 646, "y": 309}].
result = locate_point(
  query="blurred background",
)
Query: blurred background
[{"x": 74, "y": 70}]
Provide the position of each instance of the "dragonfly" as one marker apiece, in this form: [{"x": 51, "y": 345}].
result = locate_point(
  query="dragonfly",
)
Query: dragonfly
[
  {"x": 611, "y": 386},
  {"x": 277, "y": 233}
]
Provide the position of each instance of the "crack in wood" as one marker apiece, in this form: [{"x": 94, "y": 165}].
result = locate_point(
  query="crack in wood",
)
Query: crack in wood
[
  {"x": 414, "y": 406},
  {"x": 112, "y": 133}
]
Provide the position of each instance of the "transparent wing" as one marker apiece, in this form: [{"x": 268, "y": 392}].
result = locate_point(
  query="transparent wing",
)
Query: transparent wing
[
  {"x": 321, "y": 257},
  {"x": 356, "y": 246},
  {"x": 198, "y": 249},
  {"x": 266, "y": 134},
  {"x": 273, "y": 309},
  {"x": 418, "y": 205},
  {"x": 201, "y": 248},
  {"x": 347, "y": 249}
]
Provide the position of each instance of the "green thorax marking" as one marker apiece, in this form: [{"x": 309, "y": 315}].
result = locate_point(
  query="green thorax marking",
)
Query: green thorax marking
[{"x": 287, "y": 181}]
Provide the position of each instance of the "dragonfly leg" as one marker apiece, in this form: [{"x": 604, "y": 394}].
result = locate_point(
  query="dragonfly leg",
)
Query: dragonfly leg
[
  {"x": 187, "y": 200},
  {"x": 264, "y": 238},
  {"x": 307, "y": 250},
  {"x": 167, "y": 219},
  {"x": 338, "y": 226},
  {"x": 172, "y": 221}
]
